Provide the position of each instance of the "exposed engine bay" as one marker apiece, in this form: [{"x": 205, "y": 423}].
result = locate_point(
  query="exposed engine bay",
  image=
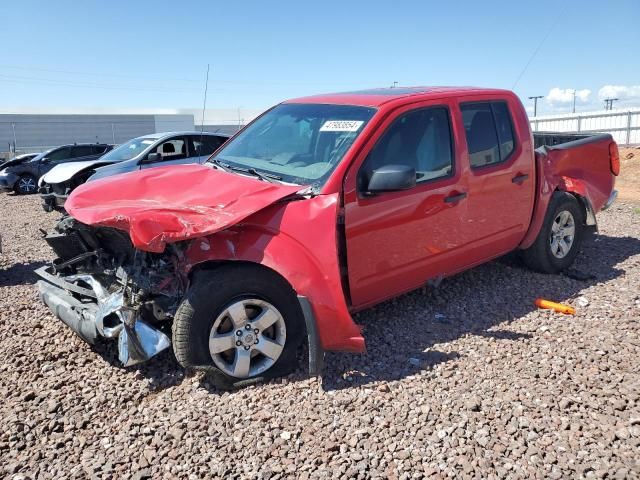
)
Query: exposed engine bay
[{"x": 101, "y": 286}]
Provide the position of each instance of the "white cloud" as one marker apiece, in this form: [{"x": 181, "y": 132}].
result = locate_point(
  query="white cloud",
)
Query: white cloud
[
  {"x": 559, "y": 96},
  {"x": 619, "y": 91}
]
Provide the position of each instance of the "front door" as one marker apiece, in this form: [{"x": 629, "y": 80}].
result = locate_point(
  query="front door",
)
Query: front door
[
  {"x": 172, "y": 151},
  {"x": 396, "y": 241}
]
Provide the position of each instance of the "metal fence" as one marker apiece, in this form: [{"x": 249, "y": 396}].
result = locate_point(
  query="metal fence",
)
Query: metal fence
[{"x": 624, "y": 126}]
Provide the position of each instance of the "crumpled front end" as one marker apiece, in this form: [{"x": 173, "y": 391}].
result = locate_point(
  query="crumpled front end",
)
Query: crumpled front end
[
  {"x": 53, "y": 196},
  {"x": 102, "y": 288}
]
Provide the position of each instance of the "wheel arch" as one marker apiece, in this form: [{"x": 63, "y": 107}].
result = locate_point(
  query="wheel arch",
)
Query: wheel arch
[
  {"x": 315, "y": 350},
  {"x": 542, "y": 206}
]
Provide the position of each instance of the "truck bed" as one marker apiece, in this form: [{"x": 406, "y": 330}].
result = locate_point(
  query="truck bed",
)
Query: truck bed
[{"x": 541, "y": 139}]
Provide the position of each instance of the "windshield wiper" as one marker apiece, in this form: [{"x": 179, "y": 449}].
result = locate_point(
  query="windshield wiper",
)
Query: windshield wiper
[
  {"x": 265, "y": 177},
  {"x": 219, "y": 164}
]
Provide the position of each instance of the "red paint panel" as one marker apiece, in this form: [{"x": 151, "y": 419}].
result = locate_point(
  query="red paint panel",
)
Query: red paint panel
[
  {"x": 168, "y": 204},
  {"x": 583, "y": 170},
  {"x": 297, "y": 239}
]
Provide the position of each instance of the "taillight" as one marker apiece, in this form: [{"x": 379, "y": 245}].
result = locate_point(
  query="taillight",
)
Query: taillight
[{"x": 614, "y": 159}]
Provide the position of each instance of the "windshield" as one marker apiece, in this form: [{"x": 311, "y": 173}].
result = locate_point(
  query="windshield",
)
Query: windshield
[
  {"x": 129, "y": 150},
  {"x": 299, "y": 143},
  {"x": 40, "y": 156}
]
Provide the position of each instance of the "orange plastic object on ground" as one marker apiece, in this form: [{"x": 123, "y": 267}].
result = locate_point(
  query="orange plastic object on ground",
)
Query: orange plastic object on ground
[{"x": 558, "y": 307}]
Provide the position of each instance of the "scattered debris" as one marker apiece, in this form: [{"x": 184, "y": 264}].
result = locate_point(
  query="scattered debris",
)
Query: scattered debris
[
  {"x": 582, "y": 301},
  {"x": 557, "y": 307}
]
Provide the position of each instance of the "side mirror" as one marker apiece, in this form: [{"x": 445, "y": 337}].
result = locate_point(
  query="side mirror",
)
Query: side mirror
[
  {"x": 391, "y": 178},
  {"x": 44, "y": 160},
  {"x": 152, "y": 157}
]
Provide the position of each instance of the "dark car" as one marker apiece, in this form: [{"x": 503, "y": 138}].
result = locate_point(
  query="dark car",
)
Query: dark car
[
  {"x": 152, "y": 150},
  {"x": 25, "y": 157},
  {"x": 22, "y": 177}
]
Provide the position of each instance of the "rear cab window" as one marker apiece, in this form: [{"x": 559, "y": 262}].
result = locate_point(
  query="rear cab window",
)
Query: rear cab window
[{"x": 489, "y": 132}]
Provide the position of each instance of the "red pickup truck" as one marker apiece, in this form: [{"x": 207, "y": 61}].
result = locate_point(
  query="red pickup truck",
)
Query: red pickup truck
[{"x": 320, "y": 207}]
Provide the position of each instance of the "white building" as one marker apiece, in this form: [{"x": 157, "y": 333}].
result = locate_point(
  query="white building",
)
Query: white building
[{"x": 30, "y": 129}]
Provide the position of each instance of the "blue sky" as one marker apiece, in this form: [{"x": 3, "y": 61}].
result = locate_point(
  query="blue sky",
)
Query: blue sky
[{"x": 154, "y": 53}]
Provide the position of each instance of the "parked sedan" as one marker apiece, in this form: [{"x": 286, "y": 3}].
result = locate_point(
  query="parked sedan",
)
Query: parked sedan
[
  {"x": 22, "y": 177},
  {"x": 153, "y": 150}
]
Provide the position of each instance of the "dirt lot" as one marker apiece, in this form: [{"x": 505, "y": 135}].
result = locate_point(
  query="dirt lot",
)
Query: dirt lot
[
  {"x": 629, "y": 181},
  {"x": 468, "y": 380}
]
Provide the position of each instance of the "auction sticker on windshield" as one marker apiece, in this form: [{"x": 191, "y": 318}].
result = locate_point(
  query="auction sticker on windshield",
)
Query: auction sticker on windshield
[{"x": 341, "y": 126}]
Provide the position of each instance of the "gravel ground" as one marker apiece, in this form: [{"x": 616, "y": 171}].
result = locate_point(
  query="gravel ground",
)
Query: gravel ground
[{"x": 468, "y": 380}]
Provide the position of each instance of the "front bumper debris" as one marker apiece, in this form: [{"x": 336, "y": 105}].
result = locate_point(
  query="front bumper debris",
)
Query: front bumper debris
[
  {"x": 51, "y": 199},
  {"x": 95, "y": 312}
]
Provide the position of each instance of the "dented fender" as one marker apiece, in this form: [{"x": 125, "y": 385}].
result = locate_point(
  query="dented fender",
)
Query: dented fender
[
  {"x": 581, "y": 168},
  {"x": 298, "y": 240}
]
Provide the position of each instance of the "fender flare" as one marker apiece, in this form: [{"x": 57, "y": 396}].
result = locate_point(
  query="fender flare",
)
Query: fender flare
[{"x": 306, "y": 258}]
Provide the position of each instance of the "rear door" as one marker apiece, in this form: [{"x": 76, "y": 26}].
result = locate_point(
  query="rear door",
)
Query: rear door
[
  {"x": 80, "y": 153},
  {"x": 499, "y": 161},
  {"x": 396, "y": 241},
  {"x": 202, "y": 146}
]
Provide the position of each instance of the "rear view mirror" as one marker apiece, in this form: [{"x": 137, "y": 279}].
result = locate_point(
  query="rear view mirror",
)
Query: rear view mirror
[
  {"x": 153, "y": 157},
  {"x": 392, "y": 178}
]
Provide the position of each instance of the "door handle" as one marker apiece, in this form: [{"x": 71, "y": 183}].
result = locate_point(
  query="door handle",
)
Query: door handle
[
  {"x": 455, "y": 197},
  {"x": 520, "y": 178}
]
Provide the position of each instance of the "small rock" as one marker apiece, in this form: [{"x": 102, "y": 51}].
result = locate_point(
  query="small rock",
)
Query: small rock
[
  {"x": 53, "y": 406},
  {"x": 622, "y": 433},
  {"x": 285, "y": 435},
  {"x": 582, "y": 301},
  {"x": 30, "y": 395}
]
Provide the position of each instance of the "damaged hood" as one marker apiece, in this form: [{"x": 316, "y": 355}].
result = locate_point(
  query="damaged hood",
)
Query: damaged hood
[
  {"x": 65, "y": 171},
  {"x": 163, "y": 205}
]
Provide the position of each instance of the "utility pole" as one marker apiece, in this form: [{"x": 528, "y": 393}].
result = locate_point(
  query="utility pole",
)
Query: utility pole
[
  {"x": 574, "y": 101},
  {"x": 15, "y": 143},
  {"x": 608, "y": 103},
  {"x": 535, "y": 103},
  {"x": 395, "y": 84}
]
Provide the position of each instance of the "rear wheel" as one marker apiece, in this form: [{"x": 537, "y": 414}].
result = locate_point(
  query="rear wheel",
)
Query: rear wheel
[
  {"x": 26, "y": 184},
  {"x": 241, "y": 323},
  {"x": 560, "y": 237}
]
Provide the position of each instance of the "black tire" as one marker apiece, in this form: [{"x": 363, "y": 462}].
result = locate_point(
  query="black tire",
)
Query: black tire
[
  {"x": 539, "y": 256},
  {"x": 209, "y": 294},
  {"x": 21, "y": 184}
]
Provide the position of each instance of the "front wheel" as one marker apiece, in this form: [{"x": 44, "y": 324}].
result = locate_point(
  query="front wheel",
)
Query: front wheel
[
  {"x": 26, "y": 184},
  {"x": 560, "y": 237},
  {"x": 242, "y": 322}
]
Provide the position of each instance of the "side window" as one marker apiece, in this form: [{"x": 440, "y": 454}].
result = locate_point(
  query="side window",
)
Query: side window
[
  {"x": 420, "y": 139},
  {"x": 205, "y": 145},
  {"x": 489, "y": 132},
  {"x": 504, "y": 127},
  {"x": 98, "y": 149},
  {"x": 81, "y": 151},
  {"x": 173, "y": 149},
  {"x": 59, "y": 155}
]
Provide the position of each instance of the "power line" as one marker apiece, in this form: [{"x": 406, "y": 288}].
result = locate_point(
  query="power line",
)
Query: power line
[{"x": 535, "y": 52}]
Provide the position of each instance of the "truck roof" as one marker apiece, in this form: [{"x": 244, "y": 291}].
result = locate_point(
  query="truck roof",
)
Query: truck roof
[{"x": 376, "y": 97}]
